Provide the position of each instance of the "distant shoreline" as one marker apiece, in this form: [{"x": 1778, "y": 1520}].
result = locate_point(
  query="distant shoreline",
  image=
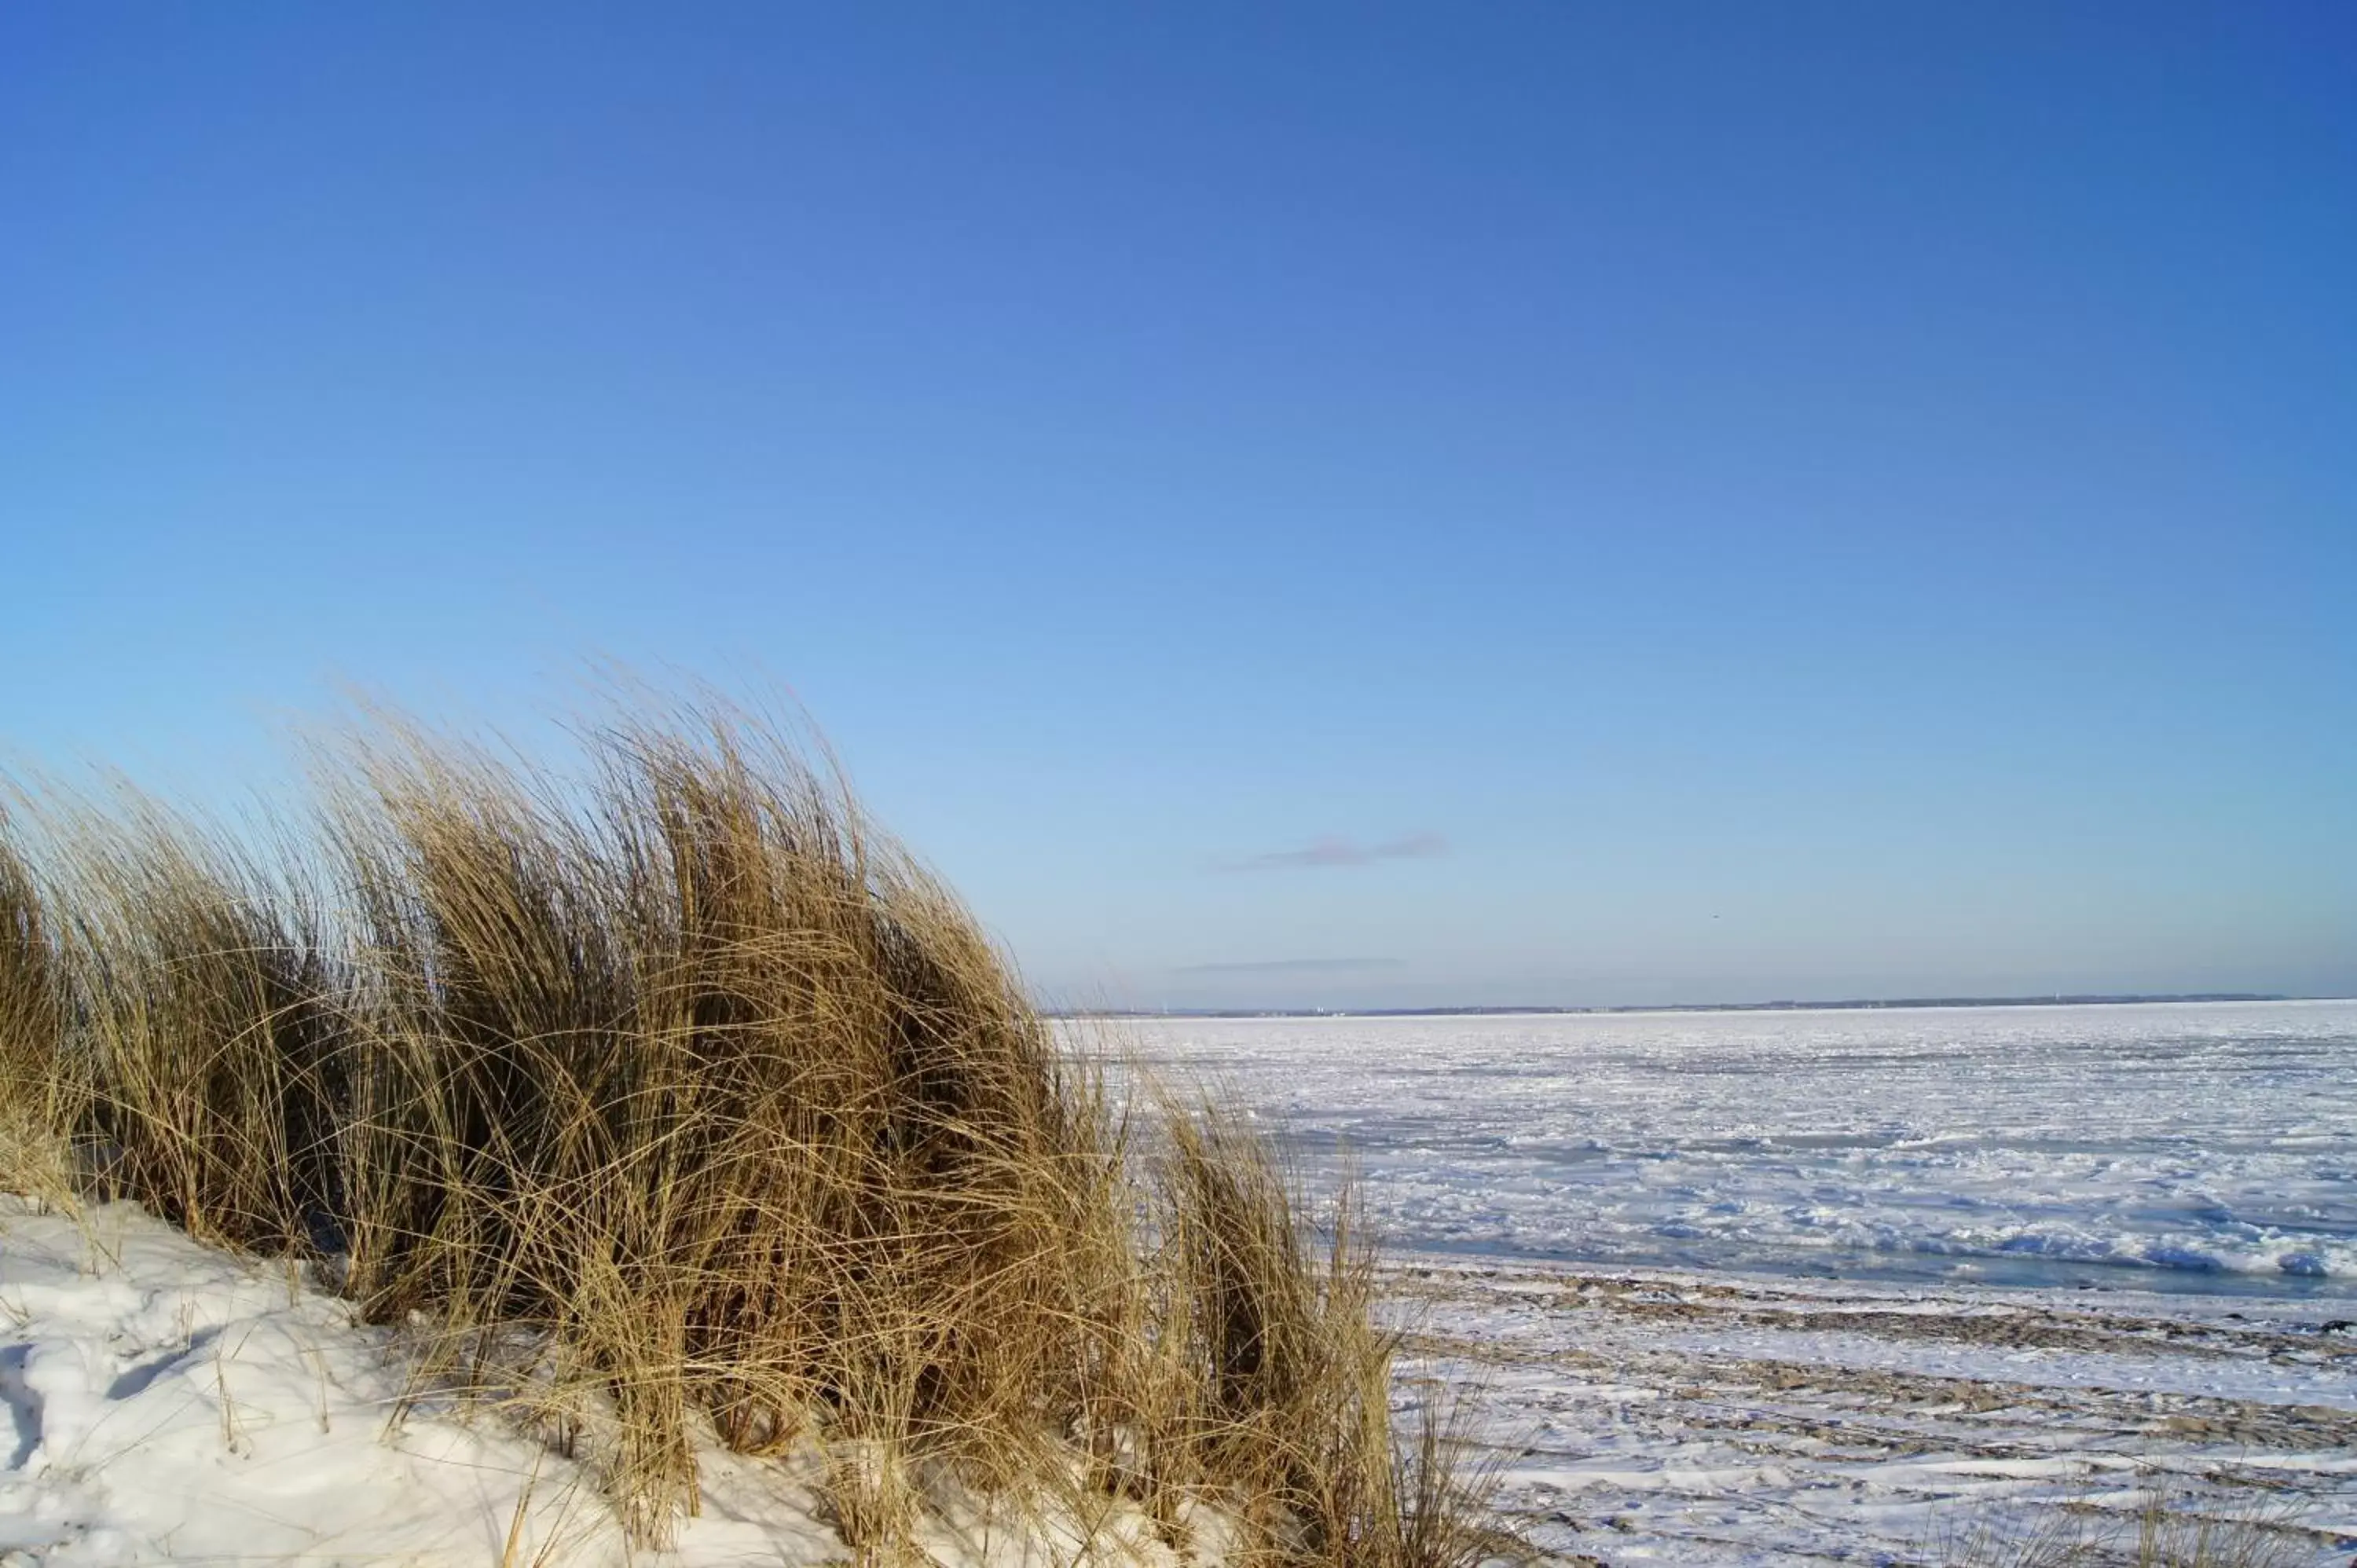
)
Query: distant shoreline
[{"x": 1840, "y": 1005}]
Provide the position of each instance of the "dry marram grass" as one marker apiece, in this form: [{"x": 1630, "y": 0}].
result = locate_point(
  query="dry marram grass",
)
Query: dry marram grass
[{"x": 678, "y": 1103}]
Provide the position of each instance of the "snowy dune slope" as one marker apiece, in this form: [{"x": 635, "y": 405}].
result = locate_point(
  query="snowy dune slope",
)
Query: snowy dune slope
[{"x": 169, "y": 1403}]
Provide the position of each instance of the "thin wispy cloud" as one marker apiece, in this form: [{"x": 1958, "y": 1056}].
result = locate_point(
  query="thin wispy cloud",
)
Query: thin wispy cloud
[
  {"x": 1327, "y": 853},
  {"x": 1293, "y": 966}
]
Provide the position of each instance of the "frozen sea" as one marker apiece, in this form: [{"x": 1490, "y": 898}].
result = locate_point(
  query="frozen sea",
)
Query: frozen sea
[
  {"x": 2208, "y": 1147},
  {"x": 1769, "y": 1290}
]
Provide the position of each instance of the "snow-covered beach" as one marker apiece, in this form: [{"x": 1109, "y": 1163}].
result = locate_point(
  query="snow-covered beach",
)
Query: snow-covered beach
[
  {"x": 1640, "y": 1416},
  {"x": 1720, "y": 1289}
]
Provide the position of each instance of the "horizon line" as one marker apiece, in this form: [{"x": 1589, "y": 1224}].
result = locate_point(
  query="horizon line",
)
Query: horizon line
[{"x": 2058, "y": 999}]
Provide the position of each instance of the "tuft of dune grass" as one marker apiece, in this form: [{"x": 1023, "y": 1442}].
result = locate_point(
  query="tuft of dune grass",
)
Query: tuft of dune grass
[{"x": 677, "y": 1102}]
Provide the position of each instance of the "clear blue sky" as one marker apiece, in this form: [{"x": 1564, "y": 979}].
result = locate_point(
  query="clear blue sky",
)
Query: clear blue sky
[{"x": 1282, "y": 504}]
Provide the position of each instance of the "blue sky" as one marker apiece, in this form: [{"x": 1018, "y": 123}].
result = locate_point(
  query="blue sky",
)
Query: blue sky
[{"x": 1300, "y": 504}]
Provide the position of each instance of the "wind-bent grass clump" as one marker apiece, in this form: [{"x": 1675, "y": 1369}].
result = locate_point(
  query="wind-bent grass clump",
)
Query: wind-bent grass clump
[
  {"x": 680, "y": 1096},
  {"x": 31, "y": 1156},
  {"x": 1284, "y": 1379}
]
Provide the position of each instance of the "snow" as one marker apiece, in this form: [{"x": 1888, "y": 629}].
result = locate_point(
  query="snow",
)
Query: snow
[
  {"x": 171, "y": 1403},
  {"x": 2212, "y": 1145},
  {"x": 1806, "y": 1287},
  {"x": 1649, "y": 1417},
  {"x": 1721, "y": 1290}
]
